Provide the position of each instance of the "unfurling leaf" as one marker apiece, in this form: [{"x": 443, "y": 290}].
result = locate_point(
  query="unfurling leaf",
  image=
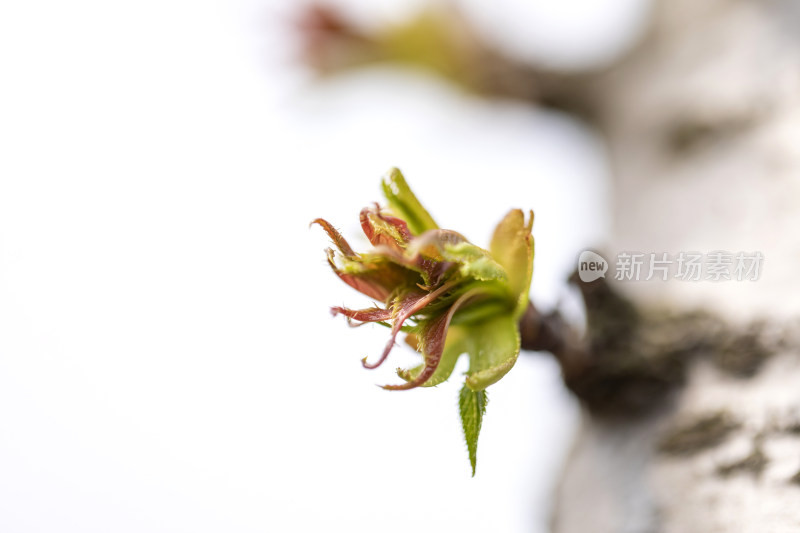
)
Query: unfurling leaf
[
  {"x": 512, "y": 247},
  {"x": 493, "y": 351},
  {"x": 405, "y": 204},
  {"x": 472, "y": 405}
]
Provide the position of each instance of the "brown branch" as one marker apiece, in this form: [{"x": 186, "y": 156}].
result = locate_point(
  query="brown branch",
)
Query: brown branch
[{"x": 630, "y": 361}]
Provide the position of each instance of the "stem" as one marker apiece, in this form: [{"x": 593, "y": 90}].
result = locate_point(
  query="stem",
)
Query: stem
[
  {"x": 550, "y": 333},
  {"x": 632, "y": 359}
]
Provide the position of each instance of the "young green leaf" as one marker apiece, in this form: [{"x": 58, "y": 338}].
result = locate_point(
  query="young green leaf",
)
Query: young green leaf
[
  {"x": 494, "y": 350},
  {"x": 512, "y": 247},
  {"x": 404, "y": 203},
  {"x": 472, "y": 405}
]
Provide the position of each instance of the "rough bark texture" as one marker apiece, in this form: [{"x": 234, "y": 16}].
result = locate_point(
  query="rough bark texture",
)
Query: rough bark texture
[{"x": 702, "y": 123}]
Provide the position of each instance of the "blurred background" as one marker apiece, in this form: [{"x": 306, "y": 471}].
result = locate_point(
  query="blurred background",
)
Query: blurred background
[{"x": 167, "y": 358}]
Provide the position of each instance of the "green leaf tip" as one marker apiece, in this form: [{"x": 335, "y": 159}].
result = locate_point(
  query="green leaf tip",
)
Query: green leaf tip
[
  {"x": 472, "y": 405},
  {"x": 512, "y": 247},
  {"x": 404, "y": 203}
]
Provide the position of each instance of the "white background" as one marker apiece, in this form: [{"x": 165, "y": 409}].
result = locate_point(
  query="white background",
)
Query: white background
[{"x": 167, "y": 358}]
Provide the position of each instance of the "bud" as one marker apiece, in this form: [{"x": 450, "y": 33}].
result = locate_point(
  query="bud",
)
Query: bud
[{"x": 449, "y": 296}]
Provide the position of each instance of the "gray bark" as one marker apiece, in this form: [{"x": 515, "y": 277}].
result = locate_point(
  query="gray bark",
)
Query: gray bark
[{"x": 702, "y": 123}]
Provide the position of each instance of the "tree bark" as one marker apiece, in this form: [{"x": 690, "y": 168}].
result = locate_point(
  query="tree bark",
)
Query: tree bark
[{"x": 702, "y": 123}]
